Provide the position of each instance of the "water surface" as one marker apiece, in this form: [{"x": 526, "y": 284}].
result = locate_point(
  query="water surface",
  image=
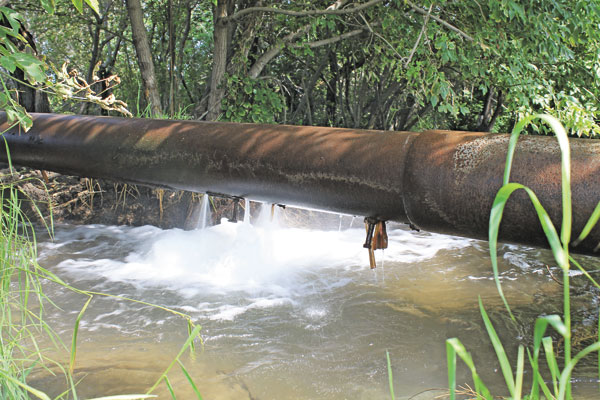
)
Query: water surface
[{"x": 286, "y": 313}]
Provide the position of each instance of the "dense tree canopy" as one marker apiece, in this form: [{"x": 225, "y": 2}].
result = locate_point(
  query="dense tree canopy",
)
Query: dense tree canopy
[{"x": 381, "y": 64}]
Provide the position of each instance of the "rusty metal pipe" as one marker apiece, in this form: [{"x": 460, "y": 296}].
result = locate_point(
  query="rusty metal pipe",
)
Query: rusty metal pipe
[{"x": 437, "y": 180}]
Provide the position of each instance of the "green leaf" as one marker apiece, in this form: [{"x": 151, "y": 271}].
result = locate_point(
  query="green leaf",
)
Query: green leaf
[
  {"x": 9, "y": 63},
  {"x": 563, "y": 142},
  {"x": 565, "y": 376},
  {"x": 589, "y": 225},
  {"x": 185, "y": 346},
  {"x": 93, "y": 5},
  {"x": 455, "y": 348},
  {"x": 78, "y": 5},
  {"x": 13, "y": 18},
  {"x": 499, "y": 349},
  {"x": 31, "y": 66},
  {"x": 33, "y": 391},
  {"x": 170, "y": 387},
  {"x": 190, "y": 380},
  {"x": 16, "y": 113},
  {"x": 75, "y": 331},
  {"x": 390, "y": 375},
  {"x": 48, "y": 6},
  {"x": 551, "y": 361},
  {"x": 434, "y": 100}
]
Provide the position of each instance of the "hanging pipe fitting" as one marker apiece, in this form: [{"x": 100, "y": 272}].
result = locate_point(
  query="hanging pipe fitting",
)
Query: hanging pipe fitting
[{"x": 376, "y": 238}]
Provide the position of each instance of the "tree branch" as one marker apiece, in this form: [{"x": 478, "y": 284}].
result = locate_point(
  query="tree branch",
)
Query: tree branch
[
  {"x": 270, "y": 54},
  {"x": 330, "y": 40},
  {"x": 332, "y": 10},
  {"x": 423, "y": 28},
  {"x": 439, "y": 20}
]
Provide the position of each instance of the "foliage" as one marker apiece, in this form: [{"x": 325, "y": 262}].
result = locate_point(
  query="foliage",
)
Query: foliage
[
  {"x": 397, "y": 64},
  {"x": 560, "y": 387},
  {"x": 22, "y": 300},
  {"x": 252, "y": 101}
]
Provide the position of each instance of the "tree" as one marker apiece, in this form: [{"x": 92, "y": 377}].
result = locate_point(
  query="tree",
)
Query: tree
[
  {"x": 380, "y": 64},
  {"x": 144, "y": 55}
]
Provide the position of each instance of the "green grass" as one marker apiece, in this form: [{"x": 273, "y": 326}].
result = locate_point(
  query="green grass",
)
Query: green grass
[
  {"x": 558, "y": 384},
  {"x": 22, "y": 308}
]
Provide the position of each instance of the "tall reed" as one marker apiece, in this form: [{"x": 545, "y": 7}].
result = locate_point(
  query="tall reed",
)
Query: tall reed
[
  {"x": 558, "y": 385},
  {"x": 22, "y": 304},
  {"x": 21, "y": 299}
]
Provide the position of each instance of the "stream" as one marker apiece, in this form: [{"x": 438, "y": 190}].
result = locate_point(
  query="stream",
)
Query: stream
[{"x": 288, "y": 313}]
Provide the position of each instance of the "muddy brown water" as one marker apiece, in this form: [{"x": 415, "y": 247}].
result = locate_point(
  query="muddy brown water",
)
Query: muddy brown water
[{"x": 290, "y": 313}]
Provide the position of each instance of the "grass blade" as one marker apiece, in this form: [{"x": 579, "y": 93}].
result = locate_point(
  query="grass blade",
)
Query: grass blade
[
  {"x": 190, "y": 380},
  {"x": 519, "y": 375},
  {"x": 540, "y": 381},
  {"x": 592, "y": 221},
  {"x": 551, "y": 361},
  {"x": 587, "y": 275},
  {"x": 33, "y": 391},
  {"x": 187, "y": 343},
  {"x": 496, "y": 213},
  {"x": 565, "y": 151},
  {"x": 565, "y": 376},
  {"x": 75, "y": 332},
  {"x": 168, "y": 383},
  {"x": 499, "y": 349},
  {"x": 390, "y": 376},
  {"x": 455, "y": 348}
]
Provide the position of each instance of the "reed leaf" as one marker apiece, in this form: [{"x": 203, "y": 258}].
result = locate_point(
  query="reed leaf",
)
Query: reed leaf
[
  {"x": 565, "y": 376},
  {"x": 390, "y": 375},
  {"x": 519, "y": 375},
  {"x": 494, "y": 227},
  {"x": 190, "y": 380},
  {"x": 37, "y": 393},
  {"x": 75, "y": 332},
  {"x": 170, "y": 387},
  {"x": 584, "y": 271},
  {"x": 592, "y": 221},
  {"x": 551, "y": 362},
  {"x": 455, "y": 348},
  {"x": 565, "y": 151},
  {"x": 185, "y": 346},
  {"x": 499, "y": 349},
  {"x": 540, "y": 381}
]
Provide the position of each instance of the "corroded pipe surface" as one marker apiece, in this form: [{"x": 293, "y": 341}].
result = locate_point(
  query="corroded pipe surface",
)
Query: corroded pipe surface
[{"x": 437, "y": 180}]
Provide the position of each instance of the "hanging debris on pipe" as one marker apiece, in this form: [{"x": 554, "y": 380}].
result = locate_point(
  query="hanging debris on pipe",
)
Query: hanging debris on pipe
[
  {"x": 377, "y": 238},
  {"x": 438, "y": 181}
]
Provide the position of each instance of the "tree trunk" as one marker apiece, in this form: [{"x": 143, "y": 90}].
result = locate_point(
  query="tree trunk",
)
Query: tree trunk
[
  {"x": 28, "y": 96},
  {"x": 221, "y": 47},
  {"x": 144, "y": 55}
]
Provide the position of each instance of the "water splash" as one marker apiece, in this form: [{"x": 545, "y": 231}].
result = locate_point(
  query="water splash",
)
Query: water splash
[
  {"x": 204, "y": 219},
  {"x": 246, "y": 211},
  {"x": 262, "y": 259}
]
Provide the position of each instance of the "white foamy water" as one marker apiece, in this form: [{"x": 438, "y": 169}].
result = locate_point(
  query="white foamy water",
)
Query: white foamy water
[
  {"x": 287, "y": 313},
  {"x": 270, "y": 264}
]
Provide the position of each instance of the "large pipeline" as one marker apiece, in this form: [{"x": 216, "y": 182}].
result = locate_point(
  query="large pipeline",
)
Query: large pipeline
[{"x": 438, "y": 181}]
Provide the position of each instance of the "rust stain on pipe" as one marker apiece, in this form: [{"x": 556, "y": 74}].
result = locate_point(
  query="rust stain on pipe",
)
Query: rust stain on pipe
[{"x": 437, "y": 180}]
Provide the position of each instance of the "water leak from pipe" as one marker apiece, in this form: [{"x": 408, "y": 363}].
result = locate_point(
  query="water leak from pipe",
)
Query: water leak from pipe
[
  {"x": 246, "y": 211},
  {"x": 287, "y": 313},
  {"x": 205, "y": 215}
]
